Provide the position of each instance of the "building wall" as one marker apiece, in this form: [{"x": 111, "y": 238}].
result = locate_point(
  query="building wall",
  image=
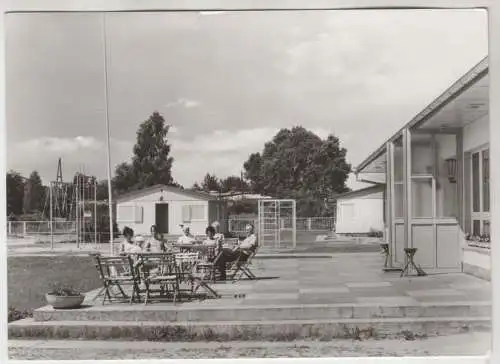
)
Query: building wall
[
  {"x": 176, "y": 201},
  {"x": 477, "y": 262},
  {"x": 476, "y": 134},
  {"x": 360, "y": 215}
]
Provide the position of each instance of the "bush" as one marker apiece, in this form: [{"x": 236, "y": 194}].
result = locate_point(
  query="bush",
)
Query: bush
[
  {"x": 15, "y": 314},
  {"x": 375, "y": 233}
]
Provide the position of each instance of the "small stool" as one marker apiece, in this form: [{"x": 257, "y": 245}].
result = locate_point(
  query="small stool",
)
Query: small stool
[{"x": 410, "y": 263}]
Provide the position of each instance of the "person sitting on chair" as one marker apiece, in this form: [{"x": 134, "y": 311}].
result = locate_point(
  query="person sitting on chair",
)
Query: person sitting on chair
[
  {"x": 128, "y": 246},
  {"x": 218, "y": 235},
  {"x": 241, "y": 252},
  {"x": 210, "y": 240},
  {"x": 186, "y": 238},
  {"x": 155, "y": 243}
]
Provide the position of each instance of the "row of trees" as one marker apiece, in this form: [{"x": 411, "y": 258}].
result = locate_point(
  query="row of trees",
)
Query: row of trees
[
  {"x": 295, "y": 164},
  {"x": 25, "y": 195}
]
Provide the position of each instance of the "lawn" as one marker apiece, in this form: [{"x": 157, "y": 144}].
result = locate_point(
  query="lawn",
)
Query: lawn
[{"x": 29, "y": 278}]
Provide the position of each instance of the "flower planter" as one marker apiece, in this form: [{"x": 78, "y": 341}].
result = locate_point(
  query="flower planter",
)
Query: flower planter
[{"x": 59, "y": 302}]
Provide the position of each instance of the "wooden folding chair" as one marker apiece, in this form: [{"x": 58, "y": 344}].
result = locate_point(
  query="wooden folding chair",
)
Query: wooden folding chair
[
  {"x": 116, "y": 272},
  {"x": 159, "y": 269},
  {"x": 242, "y": 265},
  {"x": 208, "y": 264},
  {"x": 193, "y": 272}
]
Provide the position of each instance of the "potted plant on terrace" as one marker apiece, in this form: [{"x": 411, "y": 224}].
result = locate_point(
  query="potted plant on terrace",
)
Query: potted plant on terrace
[{"x": 61, "y": 296}]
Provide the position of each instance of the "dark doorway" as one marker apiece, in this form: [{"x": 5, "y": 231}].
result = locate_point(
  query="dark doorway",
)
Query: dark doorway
[{"x": 161, "y": 217}]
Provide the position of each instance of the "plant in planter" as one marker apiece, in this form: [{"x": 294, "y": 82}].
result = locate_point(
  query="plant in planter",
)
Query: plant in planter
[{"x": 64, "y": 297}]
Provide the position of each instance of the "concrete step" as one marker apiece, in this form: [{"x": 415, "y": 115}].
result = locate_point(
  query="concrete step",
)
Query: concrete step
[
  {"x": 185, "y": 313},
  {"x": 281, "y": 330}
]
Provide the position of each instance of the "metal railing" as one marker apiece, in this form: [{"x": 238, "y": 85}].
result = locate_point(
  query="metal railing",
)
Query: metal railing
[
  {"x": 234, "y": 225},
  {"x": 237, "y": 225}
]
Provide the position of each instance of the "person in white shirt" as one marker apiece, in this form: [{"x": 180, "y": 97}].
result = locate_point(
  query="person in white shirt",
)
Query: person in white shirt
[
  {"x": 140, "y": 244},
  {"x": 211, "y": 239},
  {"x": 241, "y": 251},
  {"x": 218, "y": 235},
  {"x": 128, "y": 247},
  {"x": 186, "y": 238},
  {"x": 155, "y": 244},
  {"x": 127, "y": 244}
]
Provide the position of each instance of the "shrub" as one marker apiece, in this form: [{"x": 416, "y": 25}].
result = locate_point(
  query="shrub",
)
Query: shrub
[
  {"x": 15, "y": 314},
  {"x": 375, "y": 233}
]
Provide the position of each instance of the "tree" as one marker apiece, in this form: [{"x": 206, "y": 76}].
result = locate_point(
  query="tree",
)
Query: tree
[
  {"x": 102, "y": 190},
  {"x": 34, "y": 194},
  {"x": 210, "y": 183},
  {"x": 252, "y": 169},
  {"x": 298, "y": 164},
  {"x": 196, "y": 187},
  {"x": 151, "y": 163},
  {"x": 15, "y": 193},
  {"x": 233, "y": 183}
]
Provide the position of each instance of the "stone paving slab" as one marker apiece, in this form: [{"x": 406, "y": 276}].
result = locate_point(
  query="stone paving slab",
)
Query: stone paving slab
[{"x": 324, "y": 281}]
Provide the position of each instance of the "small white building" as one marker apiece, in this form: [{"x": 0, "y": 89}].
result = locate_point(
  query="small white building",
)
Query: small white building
[
  {"x": 168, "y": 207},
  {"x": 360, "y": 211}
]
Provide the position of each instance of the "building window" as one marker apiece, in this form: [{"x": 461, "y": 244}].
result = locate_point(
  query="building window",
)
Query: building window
[
  {"x": 193, "y": 212},
  {"x": 130, "y": 214},
  {"x": 480, "y": 192}
]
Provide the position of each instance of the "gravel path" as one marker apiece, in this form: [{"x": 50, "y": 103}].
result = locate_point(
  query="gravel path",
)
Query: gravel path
[{"x": 455, "y": 345}]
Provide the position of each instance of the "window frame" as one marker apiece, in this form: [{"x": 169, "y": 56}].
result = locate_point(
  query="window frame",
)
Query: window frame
[
  {"x": 480, "y": 215},
  {"x": 190, "y": 218}
]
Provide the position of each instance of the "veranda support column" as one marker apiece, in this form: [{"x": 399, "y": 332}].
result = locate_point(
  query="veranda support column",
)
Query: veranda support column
[
  {"x": 95, "y": 212},
  {"x": 51, "y": 217},
  {"x": 389, "y": 207},
  {"x": 294, "y": 224},
  {"x": 407, "y": 188},
  {"x": 460, "y": 180}
]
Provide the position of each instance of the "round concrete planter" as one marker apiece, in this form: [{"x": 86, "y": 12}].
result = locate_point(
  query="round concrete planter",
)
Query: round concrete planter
[{"x": 64, "y": 301}]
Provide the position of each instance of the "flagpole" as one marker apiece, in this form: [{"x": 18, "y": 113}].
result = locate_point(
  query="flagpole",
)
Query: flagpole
[{"x": 108, "y": 144}]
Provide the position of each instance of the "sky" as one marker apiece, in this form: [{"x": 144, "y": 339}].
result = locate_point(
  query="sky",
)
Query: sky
[{"x": 226, "y": 82}]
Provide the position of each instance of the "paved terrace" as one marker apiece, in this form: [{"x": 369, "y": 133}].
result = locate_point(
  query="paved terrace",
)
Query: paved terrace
[{"x": 354, "y": 278}]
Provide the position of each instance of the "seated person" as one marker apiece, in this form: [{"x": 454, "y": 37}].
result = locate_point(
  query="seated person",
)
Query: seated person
[
  {"x": 140, "y": 244},
  {"x": 155, "y": 244},
  {"x": 241, "y": 251},
  {"x": 128, "y": 246},
  {"x": 210, "y": 240},
  {"x": 218, "y": 235},
  {"x": 186, "y": 238}
]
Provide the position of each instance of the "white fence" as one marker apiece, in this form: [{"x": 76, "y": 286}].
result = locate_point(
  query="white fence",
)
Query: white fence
[
  {"x": 235, "y": 225},
  {"x": 31, "y": 228}
]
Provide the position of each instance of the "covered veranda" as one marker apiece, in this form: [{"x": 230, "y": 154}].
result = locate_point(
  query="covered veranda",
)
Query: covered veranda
[{"x": 436, "y": 171}]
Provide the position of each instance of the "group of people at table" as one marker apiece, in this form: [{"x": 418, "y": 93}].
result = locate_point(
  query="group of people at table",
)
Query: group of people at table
[{"x": 155, "y": 244}]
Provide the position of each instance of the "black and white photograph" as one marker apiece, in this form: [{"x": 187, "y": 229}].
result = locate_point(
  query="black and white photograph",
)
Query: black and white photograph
[{"x": 248, "y": 184}]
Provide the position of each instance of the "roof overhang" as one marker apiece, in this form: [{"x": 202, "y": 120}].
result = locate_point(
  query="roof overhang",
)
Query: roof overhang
[{"x": 463, "y": 103}]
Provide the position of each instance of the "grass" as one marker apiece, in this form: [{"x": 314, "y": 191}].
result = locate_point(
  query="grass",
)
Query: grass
[{"x": 29, "y": 278}]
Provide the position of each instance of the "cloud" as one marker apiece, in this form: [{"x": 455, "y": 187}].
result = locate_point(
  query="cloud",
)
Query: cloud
[
  {"x": 60, "y": 145},
  {"x": 185, "y": 103},
  {"x": 220, "y": 141}
]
